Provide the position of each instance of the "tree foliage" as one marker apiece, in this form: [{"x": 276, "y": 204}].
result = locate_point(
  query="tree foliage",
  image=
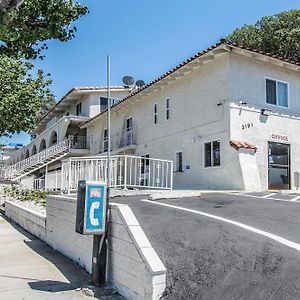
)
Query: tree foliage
[
  {"x": 9, "y": 4},
  {"x": 22, "y": 95},
  {"x": 24, "y": 32},
  {"x": 278, "y": 34}
]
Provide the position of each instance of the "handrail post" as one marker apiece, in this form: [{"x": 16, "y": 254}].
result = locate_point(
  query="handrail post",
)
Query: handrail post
[
  {"x": 125, "y": 172},
  {"x": 46, "y": 173},
  {"x": 171, "y": 178},
  {"x": 69, "y": 177}
]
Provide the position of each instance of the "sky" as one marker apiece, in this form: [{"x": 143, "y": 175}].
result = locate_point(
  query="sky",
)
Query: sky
[{"x": 144, "y": 38}]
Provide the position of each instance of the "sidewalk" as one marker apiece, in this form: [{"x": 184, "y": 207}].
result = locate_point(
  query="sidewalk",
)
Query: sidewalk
[{"x": 31, "y": 270}]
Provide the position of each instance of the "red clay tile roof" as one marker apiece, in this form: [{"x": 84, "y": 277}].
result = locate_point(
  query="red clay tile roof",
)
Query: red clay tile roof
[
  {"x": 222, "y": 41},
  {"x": 237, "y": 145}
]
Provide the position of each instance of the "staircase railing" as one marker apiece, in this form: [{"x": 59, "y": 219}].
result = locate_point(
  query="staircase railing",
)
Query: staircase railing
[{"x": 9, "y": 172}]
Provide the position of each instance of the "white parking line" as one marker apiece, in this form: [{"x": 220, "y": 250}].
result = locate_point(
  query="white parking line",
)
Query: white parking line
[
  {"x": 259, "y": 197},
  {"x": 269, "y": 195},
  {"x": 295, "y": 199},
  {"x": 269, "y": 235}
]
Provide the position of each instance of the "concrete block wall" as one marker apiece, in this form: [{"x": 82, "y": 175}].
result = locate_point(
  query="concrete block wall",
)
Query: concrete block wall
[
  {"x": 32, "y": 221},
  {"x": 134, "y": 268},
  {"x": 61, "y": 235}
]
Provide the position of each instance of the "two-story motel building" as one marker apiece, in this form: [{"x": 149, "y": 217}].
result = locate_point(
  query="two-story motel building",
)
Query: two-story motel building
[{"x": 228, "y": 117}]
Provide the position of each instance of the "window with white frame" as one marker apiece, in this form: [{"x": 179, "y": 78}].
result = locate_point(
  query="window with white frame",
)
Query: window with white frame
[
  {"x": 155, "y": 113},
  {"x": 212, "y": 154},
  {"x": 167, "y": 104},
  {"x": 277, "y": 92},
  {"x": 105, "y": 140},
  {"x": 179, "y": 161}
]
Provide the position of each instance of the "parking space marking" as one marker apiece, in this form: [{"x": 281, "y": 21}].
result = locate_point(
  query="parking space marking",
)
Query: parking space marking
[
  {"x": 269, "y": 235},
  {"x": 269, "y": 195},
  {"x": 295, "y": 199},
  {"x": 260, "y": 197}
]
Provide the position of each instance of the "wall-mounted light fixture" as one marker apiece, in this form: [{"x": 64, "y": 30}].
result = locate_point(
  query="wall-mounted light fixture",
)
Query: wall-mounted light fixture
[{"x": 266, "y": 112}]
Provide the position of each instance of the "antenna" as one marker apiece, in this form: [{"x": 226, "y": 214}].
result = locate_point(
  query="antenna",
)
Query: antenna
[
  {"x": 140, "y": 83},
  {"x": 128, "y": 80}
]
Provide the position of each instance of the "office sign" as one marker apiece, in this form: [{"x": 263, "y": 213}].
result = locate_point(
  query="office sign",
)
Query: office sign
[
  {"x": 279, "y": 137},
  {"x": 95, "y": 208}
]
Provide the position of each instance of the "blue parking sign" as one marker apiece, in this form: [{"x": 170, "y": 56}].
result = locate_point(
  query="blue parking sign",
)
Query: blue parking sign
[{"x": 95, "y": 208}]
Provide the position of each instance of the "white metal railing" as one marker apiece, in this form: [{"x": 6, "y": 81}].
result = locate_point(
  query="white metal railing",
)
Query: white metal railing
[
  {"x": 39, "y": 183},
  {"x": 126, "y": 172},
  {"x": 53, "y": 181},
  {"x": 127, "y": 138},
  {"x": 12, "y": 171},
  {"x": 27, "y": 182}
]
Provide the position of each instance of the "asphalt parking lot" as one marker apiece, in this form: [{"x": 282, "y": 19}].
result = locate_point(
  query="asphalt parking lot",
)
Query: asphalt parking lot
[{"x": 225, "y": 245}]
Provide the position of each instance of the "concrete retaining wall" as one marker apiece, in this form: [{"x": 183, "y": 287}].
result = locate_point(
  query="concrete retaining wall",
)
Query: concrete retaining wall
[
  {"x": 61, "y": 235},
  {"x": 33, "y": 222},
  {"x": 133, "y": 266}
]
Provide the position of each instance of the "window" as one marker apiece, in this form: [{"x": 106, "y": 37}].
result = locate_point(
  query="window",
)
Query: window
[
  {"x": 167, "y": 108},
  {"x": 129, "y": 124},
  {"x": 179, "y": 165},
  {"x": 78, "y": 109},
  {"x": 105, "y": 140},
  {"x": 155, "y": 113},
  {"x": 212, "y": 154},
  {"x": 104, "y": 102},
  {"x": 129, "y": 132},
  {"x": 277, "y": 93}
]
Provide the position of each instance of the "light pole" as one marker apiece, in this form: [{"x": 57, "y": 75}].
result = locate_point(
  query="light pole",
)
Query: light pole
[{"x": 100, "y": 246}]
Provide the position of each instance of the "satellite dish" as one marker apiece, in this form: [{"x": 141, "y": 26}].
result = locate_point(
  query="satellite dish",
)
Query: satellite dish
[
  {"x": 140, "y": 83},
  {"x": 128, "y": 80}
]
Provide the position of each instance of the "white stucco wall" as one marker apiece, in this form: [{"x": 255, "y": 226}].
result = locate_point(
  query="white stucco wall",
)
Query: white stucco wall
[
  {"x": 194, "y": 119},
  {"x": 247, "y": 84},
  {"x": 261, "y": 132}
]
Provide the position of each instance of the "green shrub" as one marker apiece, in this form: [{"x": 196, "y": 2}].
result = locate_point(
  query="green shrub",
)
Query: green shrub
[{"x": 14, "y": 191}]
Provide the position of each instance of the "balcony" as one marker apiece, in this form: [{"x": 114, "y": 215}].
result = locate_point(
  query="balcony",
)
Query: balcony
[{"x": 126, "y": 144}]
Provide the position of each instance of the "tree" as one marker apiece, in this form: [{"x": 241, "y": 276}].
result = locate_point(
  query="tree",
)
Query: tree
[
  {"x": 9, "y": 4},
  {"x": 23, "y": 33},
  {"x": 22, "y": 95},
  {"x": 278, "y": 34}
]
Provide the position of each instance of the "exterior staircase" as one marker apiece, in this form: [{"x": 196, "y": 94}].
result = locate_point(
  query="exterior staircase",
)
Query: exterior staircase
[{"x": 35, "y": 162}]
